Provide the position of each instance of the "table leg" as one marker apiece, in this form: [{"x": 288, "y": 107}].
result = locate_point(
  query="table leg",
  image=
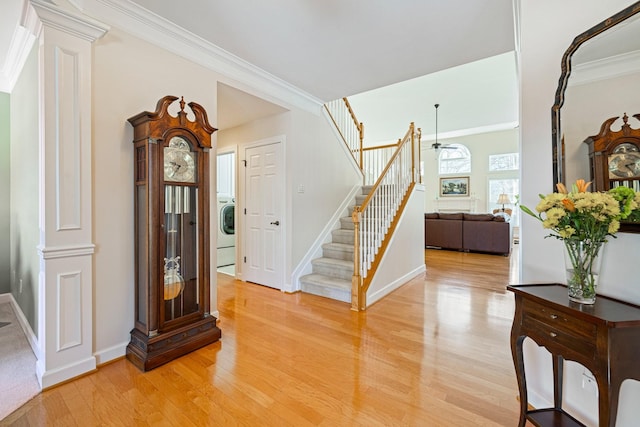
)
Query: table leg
[
  {"x": 558, "y": 365},
  {"x": 518, "y": 362}
]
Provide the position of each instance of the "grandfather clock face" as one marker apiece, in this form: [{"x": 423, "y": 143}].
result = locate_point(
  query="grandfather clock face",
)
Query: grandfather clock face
[
  {"x": 624, "y": 162},
  {"x": 179, "y": 161},
  {"x": 181, "y": 283}
]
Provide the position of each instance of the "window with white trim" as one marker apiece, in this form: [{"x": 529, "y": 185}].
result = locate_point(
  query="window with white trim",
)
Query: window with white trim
[
  {"x": 455, "y": 159},
  {"x": 504, "y": 162},
  {"x": 497, "y": 186}
]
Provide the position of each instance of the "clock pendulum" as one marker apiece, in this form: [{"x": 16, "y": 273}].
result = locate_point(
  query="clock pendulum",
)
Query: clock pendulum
[{"x": 173, "y": 280}]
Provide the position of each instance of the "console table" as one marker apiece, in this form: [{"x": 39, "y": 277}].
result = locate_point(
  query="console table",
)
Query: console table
[{"x": 603, "y": 337}]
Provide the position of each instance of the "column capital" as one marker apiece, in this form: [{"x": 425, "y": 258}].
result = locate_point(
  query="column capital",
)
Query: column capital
[{"x": 73, "y": 23}]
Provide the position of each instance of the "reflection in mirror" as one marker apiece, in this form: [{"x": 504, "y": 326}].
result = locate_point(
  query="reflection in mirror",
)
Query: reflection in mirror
[{"x": 598, "y": 71}]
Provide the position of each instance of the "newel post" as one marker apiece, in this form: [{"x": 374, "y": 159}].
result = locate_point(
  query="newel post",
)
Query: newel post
[{"x": 358, "y": 298}]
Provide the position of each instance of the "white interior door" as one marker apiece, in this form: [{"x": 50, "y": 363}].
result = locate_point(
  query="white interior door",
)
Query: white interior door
[{"x": 265, "y": 196}]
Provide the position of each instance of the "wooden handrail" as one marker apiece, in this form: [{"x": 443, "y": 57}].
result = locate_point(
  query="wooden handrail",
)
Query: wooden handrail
[
  {"x": 379, "y": 147},
  {"x": 401, "y": 142},
  {"x": 377, "y": 235}
]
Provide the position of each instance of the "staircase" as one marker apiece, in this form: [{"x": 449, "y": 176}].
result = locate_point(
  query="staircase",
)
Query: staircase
[
  {"x": 332, "y": 273},
  {"x": 350, "y": 261}
]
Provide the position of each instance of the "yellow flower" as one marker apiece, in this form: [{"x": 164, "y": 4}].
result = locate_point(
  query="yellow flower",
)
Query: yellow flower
[
  {"x": 580, "y": 215},
  {"x": 614, "y": 226},
  {"x": 566, "y": 232}
]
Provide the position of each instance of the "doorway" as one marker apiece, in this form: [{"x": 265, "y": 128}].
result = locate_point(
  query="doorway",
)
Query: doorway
[
  {"x": 264, "y": 213},
  {"x": 226, "y": 218}
]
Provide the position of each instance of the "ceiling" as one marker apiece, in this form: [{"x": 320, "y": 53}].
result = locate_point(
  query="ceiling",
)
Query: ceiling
[
  {"x": 336, "y": 48},
  {"x": 330, "y": 48}
]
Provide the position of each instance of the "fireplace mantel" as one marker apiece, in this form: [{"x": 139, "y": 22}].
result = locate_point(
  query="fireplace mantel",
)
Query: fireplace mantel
[{"x": 456, "y": 204}]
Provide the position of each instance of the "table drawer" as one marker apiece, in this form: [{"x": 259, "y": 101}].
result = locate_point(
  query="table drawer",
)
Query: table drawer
[
  {"x": 558, "y": 321},
  {"x": 547, "y": 335}
]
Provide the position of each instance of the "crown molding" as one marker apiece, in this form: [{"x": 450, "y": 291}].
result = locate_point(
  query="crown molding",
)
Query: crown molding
[
  {"x": 606, "y": 68},
  {"x": 141, "y": 23},
  {"x": 22, "y": 41},
  {"x": 77, "y": 25},
  {"x": 35, "y": 15},
  {"x": 498, "y": 127}
]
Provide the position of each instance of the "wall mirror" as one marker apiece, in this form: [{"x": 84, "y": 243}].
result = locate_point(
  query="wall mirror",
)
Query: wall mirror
[{"x": 599, "y": 80}]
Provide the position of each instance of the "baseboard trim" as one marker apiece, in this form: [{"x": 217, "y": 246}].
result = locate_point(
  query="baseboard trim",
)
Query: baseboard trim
[
  {"x": 383, "y": 292},
  {"x": 32, "y": 339},
  {"x": 54, "y": 377},
  {"x": 111, "y": 353}
]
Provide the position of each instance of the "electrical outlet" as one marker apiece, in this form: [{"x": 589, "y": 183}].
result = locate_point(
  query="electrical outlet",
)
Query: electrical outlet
[{"x": 588, "y": 381}]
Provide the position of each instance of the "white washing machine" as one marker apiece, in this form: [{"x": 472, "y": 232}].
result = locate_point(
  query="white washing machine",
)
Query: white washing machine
[{"x": 226, "y": 231}]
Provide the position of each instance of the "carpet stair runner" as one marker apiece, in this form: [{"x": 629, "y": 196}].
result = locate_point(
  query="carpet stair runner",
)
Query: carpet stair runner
[{"x": 331, "y": 274}]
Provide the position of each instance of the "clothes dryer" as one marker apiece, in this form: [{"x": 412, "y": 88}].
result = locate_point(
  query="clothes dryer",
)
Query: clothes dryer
[{"x": 226, "y": 231}]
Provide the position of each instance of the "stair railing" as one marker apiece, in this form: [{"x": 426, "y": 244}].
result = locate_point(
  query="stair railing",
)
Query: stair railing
[
  {"x": 350, "y": 129},
  {"x": 370, "y": 160},
  {"x": 375, "y": 159},
  {"x": 376, "y": 219}
]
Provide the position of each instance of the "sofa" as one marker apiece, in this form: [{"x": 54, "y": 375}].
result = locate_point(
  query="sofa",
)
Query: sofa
[{"x": 468, "y": 232}]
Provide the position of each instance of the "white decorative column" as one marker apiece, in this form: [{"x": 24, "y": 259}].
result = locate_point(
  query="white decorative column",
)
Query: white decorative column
[{"x": 65, "y": 312}]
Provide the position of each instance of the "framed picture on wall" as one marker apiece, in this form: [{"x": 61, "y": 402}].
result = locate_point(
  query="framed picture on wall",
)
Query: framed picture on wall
[{"x": 455, "y": 186}]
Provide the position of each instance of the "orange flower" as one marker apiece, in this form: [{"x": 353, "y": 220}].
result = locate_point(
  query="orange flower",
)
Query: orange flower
[
  {"x": 568, "y": 205},
  {"x": 561, "y": 188},
  {"x": 582, "y": 185}
]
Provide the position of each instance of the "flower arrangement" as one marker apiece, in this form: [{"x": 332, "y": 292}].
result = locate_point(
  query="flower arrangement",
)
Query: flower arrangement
[
  {"x": 583, "y": 220},
  {"x": 629, "y": 201}
]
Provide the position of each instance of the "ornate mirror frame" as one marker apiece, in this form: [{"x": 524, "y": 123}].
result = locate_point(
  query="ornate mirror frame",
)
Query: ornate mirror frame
[{"x": 556, "y": 134}]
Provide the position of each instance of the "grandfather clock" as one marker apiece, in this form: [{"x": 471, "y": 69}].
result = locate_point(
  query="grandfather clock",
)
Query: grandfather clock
[
  {"x": 171, "y": 193},
  {"x": 614, "y": 156}
]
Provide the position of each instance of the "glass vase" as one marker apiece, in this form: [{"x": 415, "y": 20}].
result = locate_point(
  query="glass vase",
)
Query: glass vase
[{"x": 582, "y": 264}]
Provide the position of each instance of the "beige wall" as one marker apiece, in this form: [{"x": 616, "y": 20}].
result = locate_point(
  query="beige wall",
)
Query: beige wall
[{"x": 129, "y": 76}]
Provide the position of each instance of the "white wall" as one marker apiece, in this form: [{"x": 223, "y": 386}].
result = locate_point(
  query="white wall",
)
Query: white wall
[
  {"x": 547, "y": 29},
  {"x": 481, "y": 146},
  {"x": 315, "y": 161},
  {"x": 404, "y": 257}
]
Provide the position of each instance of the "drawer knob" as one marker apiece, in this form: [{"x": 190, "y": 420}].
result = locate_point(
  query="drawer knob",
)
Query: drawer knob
[
  {"x": 553, "y": 316},
  {"x": 553, "y": 334}
]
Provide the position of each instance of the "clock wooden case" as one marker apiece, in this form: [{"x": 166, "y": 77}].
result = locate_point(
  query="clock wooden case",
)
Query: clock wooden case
[
  {"x": 614, "y": 156},
  {"x": 172, "y": 267}
]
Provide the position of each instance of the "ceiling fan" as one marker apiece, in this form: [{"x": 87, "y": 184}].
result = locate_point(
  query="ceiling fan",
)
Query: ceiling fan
[{"x": 436, "y": 145}]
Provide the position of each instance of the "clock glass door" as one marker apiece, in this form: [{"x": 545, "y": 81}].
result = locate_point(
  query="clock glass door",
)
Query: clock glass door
[{"x": 181, "y": 287}]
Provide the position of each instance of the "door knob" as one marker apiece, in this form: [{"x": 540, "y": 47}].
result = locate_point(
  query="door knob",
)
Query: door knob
[{"x": 275, "y": 223}]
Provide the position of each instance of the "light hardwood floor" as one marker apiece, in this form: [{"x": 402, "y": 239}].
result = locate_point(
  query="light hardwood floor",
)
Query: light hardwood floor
[{"x": 434, "y": 353}]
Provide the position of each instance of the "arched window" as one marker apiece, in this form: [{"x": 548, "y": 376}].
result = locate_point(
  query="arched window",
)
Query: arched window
[{"x": 454, "y": 159}]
